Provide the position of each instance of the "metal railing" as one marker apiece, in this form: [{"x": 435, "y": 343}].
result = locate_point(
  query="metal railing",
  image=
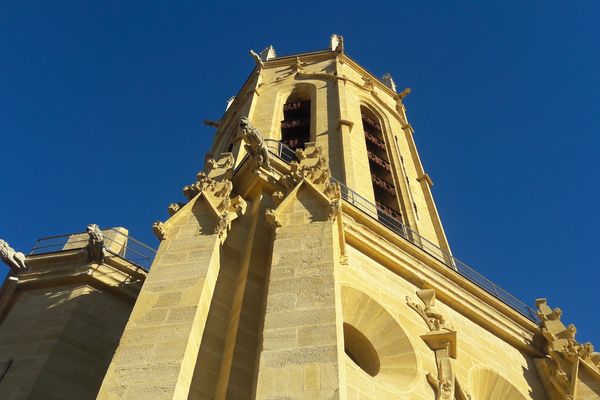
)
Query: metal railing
[
  {"x": 117, "y": 244},
  {"x": 370, "y": 209}
]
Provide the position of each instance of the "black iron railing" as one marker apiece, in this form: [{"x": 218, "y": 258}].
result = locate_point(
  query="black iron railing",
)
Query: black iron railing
[
  {"x": 117, "y": 244},
  {"x": 370, "y": 209}
]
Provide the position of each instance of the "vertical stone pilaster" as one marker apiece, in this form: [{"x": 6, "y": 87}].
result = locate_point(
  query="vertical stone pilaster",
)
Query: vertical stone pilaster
[
  {"x": 158, "y": 350},
  {"x": 301, "y": 356}
]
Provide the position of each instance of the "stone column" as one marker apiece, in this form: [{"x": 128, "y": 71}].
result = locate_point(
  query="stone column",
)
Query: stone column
[{"x": 302, "y": 339}]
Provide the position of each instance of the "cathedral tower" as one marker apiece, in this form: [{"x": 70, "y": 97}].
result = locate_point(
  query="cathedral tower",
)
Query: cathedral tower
[{"x": 309, "y": 262}]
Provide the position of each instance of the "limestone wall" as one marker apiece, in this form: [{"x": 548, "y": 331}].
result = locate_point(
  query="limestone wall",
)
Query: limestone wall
[
  {"x": 61, "y": 341},
  {"x": 484, "y": 364}
]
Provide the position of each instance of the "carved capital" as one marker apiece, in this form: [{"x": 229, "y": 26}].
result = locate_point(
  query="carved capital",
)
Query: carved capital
[{"x": 15, "y": 260}]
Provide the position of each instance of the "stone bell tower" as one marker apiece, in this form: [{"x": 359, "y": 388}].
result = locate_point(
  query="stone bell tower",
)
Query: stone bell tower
[{"x": 309, "y": 261}]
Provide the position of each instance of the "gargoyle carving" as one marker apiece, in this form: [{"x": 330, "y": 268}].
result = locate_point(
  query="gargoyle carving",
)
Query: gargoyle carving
[
  {"x": 257, "y": 58},
  {"x": 565, "y": 354},
  {"x": 95, "y": 248},
  {"x": 335, "y": 207},
  {"x": 272, "y": 218},
  {"x": 14, "y": 259},
  {"x": 434, "y": 320},
  {"x": 254, "y": 144},
  {"x": 174, "y": 207},
  {"x": 159, "y": 230}
]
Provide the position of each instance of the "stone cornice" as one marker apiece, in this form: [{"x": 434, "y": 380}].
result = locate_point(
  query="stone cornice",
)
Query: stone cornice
[
  {"x": 423, "y": 270},
  {"x": 115, "y": 275}
]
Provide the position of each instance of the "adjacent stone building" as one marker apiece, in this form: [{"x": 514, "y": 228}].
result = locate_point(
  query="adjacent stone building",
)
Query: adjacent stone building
[{"x": 308, "y": 262}]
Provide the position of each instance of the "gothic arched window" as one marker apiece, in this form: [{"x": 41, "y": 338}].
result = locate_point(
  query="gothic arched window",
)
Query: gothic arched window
[
  {"x": 386, "y": 194},
  {"x": 295, "y": 127}
]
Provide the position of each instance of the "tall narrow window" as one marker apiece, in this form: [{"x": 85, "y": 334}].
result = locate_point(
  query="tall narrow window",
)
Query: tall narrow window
[
  {"x": 386, "y": 195},
  {"x": 295, "y": 127}
]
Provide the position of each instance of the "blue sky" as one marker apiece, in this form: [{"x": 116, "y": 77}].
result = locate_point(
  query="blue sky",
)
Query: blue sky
[{"x": 101, "y": 109}]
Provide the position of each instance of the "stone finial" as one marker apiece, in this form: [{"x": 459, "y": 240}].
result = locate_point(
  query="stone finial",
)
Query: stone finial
[
  {"x": 95, "y": 248},
  {"x": 257, "y": 59},
  {"x": 337, "y": 43},
  {"x": 14, "y": 259},
  {"x": 389, "y": 81},
  {"x": 229, "y": 102},
  {"x": 268, "y": 53},
  {"x": 255, "y": 144}
]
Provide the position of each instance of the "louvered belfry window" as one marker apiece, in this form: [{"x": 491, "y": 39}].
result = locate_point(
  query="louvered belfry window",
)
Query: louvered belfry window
[
  {"x": 295, "y": 127},
  {"x": 386, "y": 195}
]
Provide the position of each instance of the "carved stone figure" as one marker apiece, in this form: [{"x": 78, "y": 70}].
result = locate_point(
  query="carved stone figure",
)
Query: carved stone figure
[
  {"x": 255, "y": 144},
  {"x": 337, "y": 43},
  {"x": 14, "y": 259},
  {"x": 174, "y": 207},
  {"x": 565, "y": 354},
  {"x": 213, "y": 123},
  {"x": 272, "y": 218},
  {"x": 159, "y": 230},
  {"x": 257, "y": 58},
  {"x": 95, "y": 248}
]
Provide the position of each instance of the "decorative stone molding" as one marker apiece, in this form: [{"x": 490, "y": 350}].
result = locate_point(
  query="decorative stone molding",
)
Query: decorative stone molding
[
  {"x": 441, "y": 339},
  {"x": 95, "y": 248},
  {"x": 312, "y": 166},
  {"x": 14, "y": 259},
  {"x": 565, "y": 354},
  {"x": 215, "y": 186},
  {"x": 434, "y": 320},
  {"x": 160, "y": 230},
  {"x": 345, "y": 122},
  {"x": 254, "y": 144}
]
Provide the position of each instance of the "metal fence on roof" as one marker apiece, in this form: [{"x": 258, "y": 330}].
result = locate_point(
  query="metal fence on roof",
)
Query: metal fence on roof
[
  {"x": 367, "y": 207},
  {"x": 117, "y": 244}
]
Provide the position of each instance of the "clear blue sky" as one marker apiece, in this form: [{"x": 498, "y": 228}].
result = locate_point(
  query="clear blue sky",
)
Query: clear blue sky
[{"x": 101, "y": 106}]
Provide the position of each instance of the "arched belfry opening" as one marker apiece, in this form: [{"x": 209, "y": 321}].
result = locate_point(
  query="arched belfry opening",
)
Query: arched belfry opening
[
  {"x": 295, "y": 127},
  {"x": 385, "y": 192}
]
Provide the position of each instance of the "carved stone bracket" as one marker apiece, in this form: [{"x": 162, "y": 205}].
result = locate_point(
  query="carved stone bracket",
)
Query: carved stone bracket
[
  {"x": 14, "y": 259},
  {"x": 272, "y": 218},
  {"x": 441, "y": 339},
  {"x": 96, "y": 250},
  {"x": 565, "y": 354},
  {"x": 434, "y": 320}
]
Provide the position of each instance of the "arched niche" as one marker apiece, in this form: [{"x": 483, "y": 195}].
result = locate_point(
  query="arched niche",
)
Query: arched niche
[
  {"x": 294, "y": 122},
  {"x": 378, "y": 351},
  {"x": 487, "y": 384}
]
